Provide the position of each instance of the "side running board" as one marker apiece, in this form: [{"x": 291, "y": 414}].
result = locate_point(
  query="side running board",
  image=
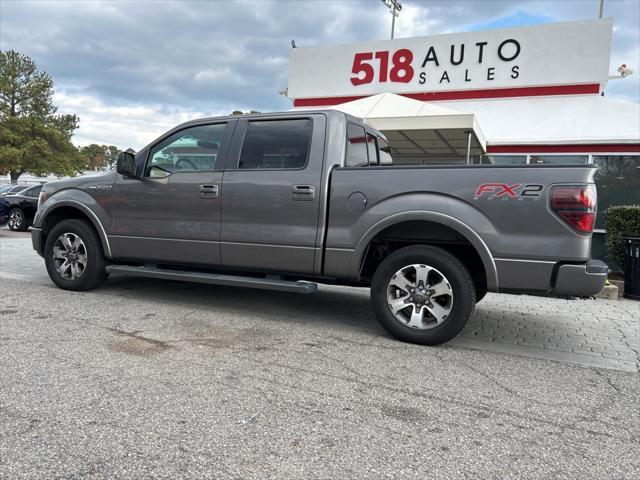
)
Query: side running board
[{"x": 214, "y": 278}]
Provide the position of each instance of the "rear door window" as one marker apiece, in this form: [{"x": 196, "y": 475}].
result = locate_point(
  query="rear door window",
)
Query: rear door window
[
  {"x": 32, "y": 192},
  {"x": 276, "y": 144}
]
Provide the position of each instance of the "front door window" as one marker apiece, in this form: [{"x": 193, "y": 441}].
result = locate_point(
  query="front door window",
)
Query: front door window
[{"x": 189, "y": 150}]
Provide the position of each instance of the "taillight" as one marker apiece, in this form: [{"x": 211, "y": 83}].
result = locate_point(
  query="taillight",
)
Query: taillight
[{"x": 576, "y": 205}]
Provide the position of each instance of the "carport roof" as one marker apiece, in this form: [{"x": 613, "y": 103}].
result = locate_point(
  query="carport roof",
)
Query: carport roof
[
  {"x": 555, "y": 120},
  {"x": 399, "y": 117}
]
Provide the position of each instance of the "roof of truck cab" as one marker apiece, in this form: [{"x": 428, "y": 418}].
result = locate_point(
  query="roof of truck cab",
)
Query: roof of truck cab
[
  {"x": 329, "y": 112},
  {"x": 285, "y": 113}
]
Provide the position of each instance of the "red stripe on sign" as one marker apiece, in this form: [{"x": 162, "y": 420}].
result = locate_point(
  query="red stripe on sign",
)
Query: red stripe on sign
[
  {"x": 593, "y": 88},
  {"x": 324, "y": 102},
  {"x": 599, "y": 148},
  {"x": 507, "y": 92}
]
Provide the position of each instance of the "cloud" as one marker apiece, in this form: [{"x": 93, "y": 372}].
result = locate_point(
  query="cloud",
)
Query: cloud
[
  {"x": 518, "y": 19},
  {"x": 132, "y": 125},
  {"x": 168, "y": 60}
]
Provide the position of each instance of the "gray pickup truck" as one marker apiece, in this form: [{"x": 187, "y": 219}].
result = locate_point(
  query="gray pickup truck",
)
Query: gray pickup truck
[{"x": 281, "y": 201}]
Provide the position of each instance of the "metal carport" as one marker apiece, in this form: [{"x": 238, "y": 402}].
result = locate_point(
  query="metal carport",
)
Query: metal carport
[{"x": 420, "y": 132}]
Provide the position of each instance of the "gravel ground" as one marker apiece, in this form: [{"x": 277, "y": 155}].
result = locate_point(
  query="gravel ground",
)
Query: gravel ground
[{"x": 166, "y": 380}]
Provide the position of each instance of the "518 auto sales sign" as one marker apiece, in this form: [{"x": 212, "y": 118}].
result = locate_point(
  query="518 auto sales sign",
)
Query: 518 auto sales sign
[{"x": 563, "y": 54}]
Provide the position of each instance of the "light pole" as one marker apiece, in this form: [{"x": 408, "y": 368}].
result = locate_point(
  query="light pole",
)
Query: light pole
[
  {"x": 601, "y": 8},
  {"x": 394, "y": 9}
]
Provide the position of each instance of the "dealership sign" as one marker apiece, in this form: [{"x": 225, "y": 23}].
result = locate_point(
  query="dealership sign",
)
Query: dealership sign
[{"x": 549, "y": 58}]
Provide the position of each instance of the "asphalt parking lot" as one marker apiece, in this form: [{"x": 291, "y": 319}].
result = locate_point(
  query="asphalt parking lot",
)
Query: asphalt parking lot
[{"x": 158, "y": 379}]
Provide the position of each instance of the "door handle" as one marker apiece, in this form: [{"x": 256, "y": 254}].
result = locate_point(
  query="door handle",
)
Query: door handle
[
  {"x": 208, "y": 191},
  {"x": 303, "y": 192}
]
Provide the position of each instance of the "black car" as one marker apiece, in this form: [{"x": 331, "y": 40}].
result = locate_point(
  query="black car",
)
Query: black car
[
  {"x": 22, "y": 207},
  {"x": 11, "y": 189},
  {"x": 4, "y": 212}
]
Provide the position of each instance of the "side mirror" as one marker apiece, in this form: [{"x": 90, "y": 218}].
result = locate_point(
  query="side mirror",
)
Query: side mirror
[{"x": 126, "y": 164}]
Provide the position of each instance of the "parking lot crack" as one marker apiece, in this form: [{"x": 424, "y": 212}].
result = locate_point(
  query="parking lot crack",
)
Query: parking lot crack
[
  {"x": 608, "y": 380},
  {"x": 634, "y": 348},
  {"x": 504, "y": 387},
  {"x": 516, "y": 417},
  {"x": 364, "y": 344},
  {"x": 345, "y": 365},
  {"x": 137, "y": 344}
]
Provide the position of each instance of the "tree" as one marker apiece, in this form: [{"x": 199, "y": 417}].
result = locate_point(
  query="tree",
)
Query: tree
[
  {"x": 93, "y": 156},
  {"x": 99, "y": 157},
  {"x": 240, "y": 112},
  {"x": 111, "y": 155},
  {"x": 33, "y": 138}
]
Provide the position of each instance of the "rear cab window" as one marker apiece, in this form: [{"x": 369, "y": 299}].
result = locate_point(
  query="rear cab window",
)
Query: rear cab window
[
  {"x": 384, "y": 152},
  {"x": 372, "y": 149},
  {"x": 357, "y": 155},
  {"x": 366, "y": 149}
]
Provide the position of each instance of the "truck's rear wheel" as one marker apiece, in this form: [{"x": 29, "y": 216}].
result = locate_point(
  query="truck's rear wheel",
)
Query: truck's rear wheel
[
  {"x": 422, "y": 294},
  {"x": 73, "y": 256}
]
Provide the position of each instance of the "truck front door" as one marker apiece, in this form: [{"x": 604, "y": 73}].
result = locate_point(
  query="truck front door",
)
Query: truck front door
[
  {"x": 271, "y": 194},
  {"x": 172, "y": 214}
]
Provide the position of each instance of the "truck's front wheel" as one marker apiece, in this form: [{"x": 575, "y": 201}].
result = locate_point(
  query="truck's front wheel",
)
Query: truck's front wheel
[
  {"x": 422, "y": 294},
  {"x": 73, "y": 256}
]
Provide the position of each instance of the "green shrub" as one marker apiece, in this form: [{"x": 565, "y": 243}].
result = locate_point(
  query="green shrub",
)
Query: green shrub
[{"x": 621, "y": 221}]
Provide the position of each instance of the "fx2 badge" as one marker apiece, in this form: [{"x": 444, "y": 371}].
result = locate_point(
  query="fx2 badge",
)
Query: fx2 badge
[{"x": 505, "y": 191}]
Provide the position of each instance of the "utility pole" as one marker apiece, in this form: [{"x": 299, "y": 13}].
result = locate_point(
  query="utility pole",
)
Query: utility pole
[
  {"x": 601, "y": 8},
  {"x": 394, "y": 9}
]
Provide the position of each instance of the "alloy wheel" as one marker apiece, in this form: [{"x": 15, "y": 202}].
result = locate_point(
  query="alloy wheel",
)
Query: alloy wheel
[
  {"x": 16, "y": 219},
  {"x": 69, "y": 256},
  {"x": 419, "y": 296}
]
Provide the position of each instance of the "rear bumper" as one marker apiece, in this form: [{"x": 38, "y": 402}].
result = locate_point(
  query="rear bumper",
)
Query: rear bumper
[
  {"x": 581, "y": 280},
  {"x": 36, "y": 239}
]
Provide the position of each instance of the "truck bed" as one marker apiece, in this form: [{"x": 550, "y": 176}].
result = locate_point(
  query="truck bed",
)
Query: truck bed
[{"x": 504, "y": 209}]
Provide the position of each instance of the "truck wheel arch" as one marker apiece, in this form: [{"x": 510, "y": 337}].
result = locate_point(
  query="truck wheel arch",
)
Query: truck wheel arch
[
  {"x": 67, "y": 209},
  {"x": 459, "y": 227}
]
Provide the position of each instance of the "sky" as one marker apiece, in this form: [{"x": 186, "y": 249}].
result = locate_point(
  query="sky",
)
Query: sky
[{"x": 134, "y": 69}]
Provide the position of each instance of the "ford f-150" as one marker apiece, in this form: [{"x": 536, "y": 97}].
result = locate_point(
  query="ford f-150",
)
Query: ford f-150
[{"x": 282, "y": 201}]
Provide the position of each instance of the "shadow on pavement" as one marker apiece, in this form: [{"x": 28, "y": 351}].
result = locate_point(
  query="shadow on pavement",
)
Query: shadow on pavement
[{"x": 337, "y": 306}]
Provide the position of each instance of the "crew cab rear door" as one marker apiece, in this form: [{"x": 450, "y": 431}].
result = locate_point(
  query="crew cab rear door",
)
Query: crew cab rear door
[{"x": 270, "y": 196}]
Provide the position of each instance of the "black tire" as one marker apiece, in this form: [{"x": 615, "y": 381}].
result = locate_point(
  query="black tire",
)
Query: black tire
[
  {"x": 462, "y": 287},
  {"x": 19, "y": 221},
  {"x": 94, "y": 273}
]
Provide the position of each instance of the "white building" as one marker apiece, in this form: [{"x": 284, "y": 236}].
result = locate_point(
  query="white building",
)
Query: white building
[{"x": 527, "y": 95}]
